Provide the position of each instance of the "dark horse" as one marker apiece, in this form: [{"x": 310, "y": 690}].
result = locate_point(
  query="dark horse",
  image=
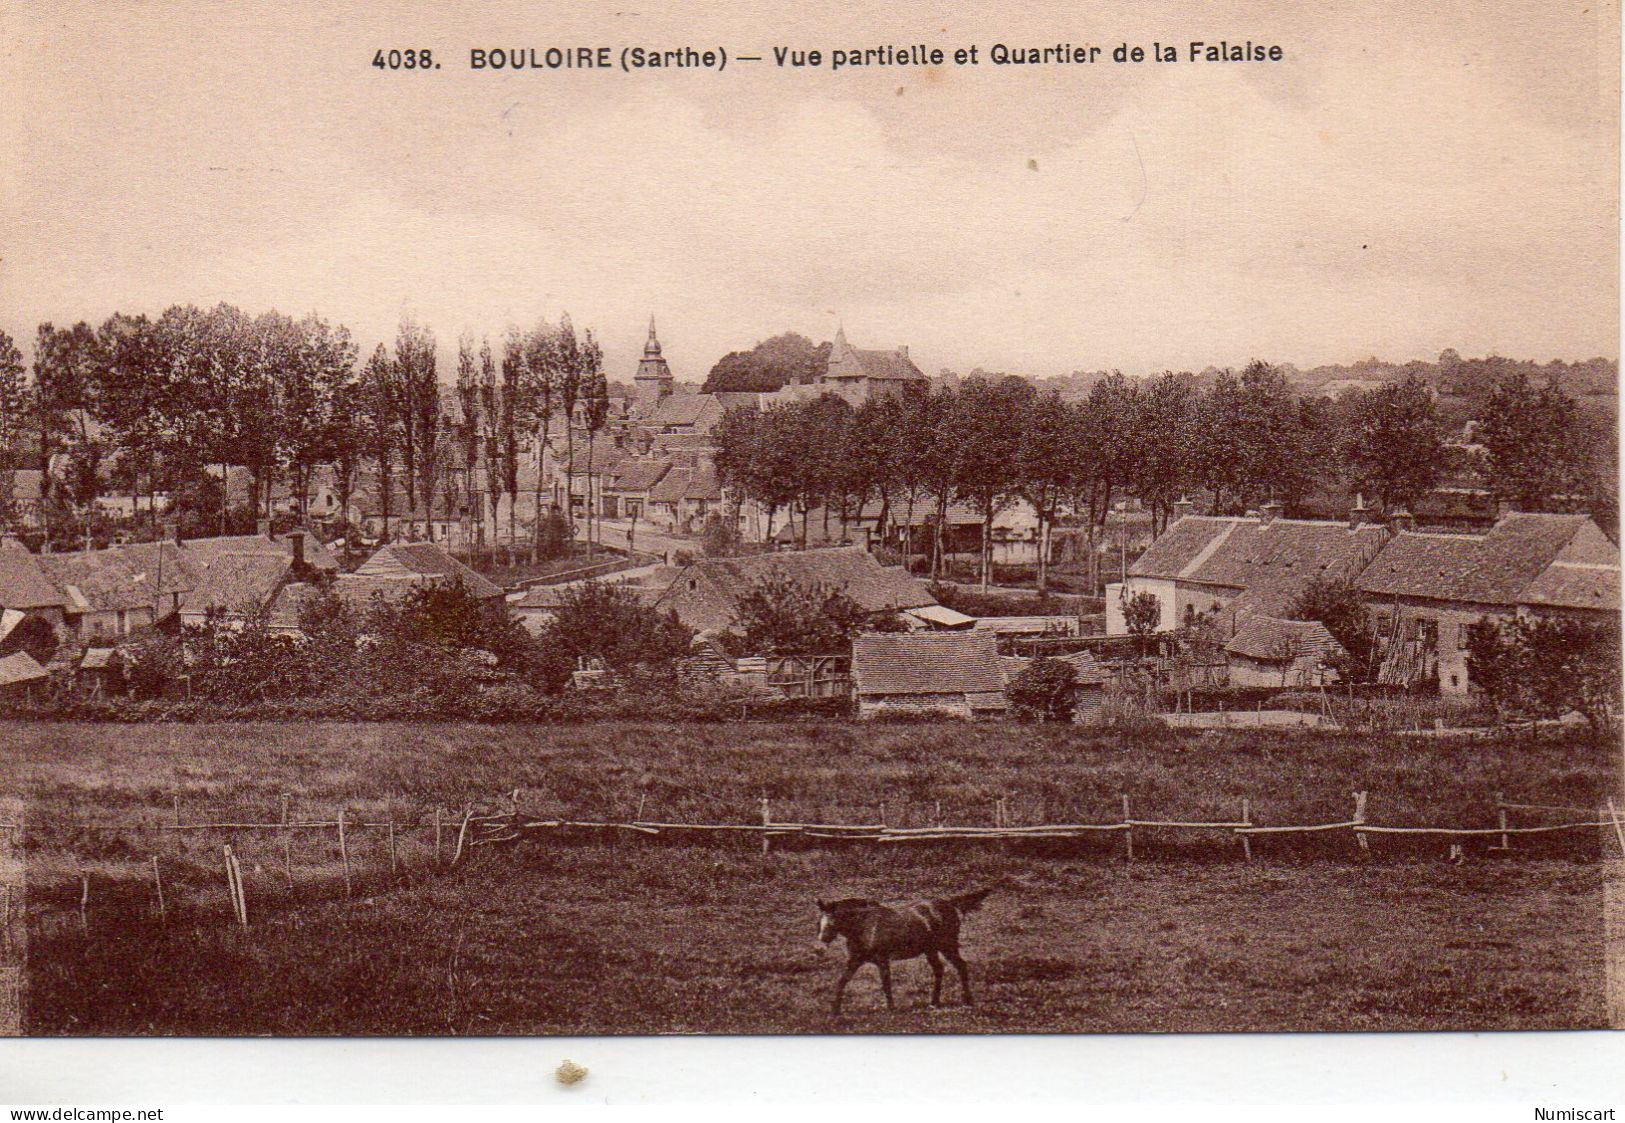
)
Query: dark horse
[{"x": 877, "y": 933}]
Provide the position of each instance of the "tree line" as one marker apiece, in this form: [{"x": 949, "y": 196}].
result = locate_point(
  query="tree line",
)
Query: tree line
[
  {"x": 1247, "y": 439},
  {"x": 149, "y": 405}
]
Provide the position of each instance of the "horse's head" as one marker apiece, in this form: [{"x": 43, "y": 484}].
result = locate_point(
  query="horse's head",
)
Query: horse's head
[{"x": 833, "y": 916}]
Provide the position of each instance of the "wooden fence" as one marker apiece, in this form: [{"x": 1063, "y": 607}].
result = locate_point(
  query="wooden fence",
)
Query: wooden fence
[{"x": 450, "y": 837}]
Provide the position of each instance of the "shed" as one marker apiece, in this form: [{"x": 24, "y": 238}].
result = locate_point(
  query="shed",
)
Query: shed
[
  {"x": 1091, "y": 680},
  {"x": 18, "y": 672},
  {"x": 426, "y": 562},
  {"x": 953, "y": 673},
  {"x": 1270, "y": 652}
]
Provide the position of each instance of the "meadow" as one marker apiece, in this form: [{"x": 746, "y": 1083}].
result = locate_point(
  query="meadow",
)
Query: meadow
[{"x": 598, "y": 934}]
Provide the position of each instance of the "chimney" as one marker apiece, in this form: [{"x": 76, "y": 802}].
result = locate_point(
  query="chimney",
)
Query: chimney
[
  {"x": 1272, "y": 510},
  {"x": 1359, "y": 513},
  {"x": 1504, "y": 507},
  {"x": 297, "y": 539},
  {"x": 1402, "y": 520},
  {"x": 172, "y": 531},
  {"x": 1183, "y": 507},
  {"x": 903, "y": 351},
  {"x": 263, "y": 528}
]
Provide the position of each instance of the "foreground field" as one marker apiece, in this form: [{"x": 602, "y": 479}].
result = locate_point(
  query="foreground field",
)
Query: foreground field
[
  {"x": 647, "y": 936},
  {"x": 594, "y": 940}
]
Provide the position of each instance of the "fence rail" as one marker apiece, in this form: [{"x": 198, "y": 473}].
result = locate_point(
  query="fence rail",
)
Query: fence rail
[{"x": 511, "y": 825}]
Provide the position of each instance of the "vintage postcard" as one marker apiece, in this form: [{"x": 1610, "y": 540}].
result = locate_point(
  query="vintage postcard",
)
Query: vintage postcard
[{"x": 782, "y": 519}]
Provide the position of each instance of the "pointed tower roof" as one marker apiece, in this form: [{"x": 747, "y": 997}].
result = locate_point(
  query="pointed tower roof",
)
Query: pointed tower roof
[{"x": 653, "y": 364}]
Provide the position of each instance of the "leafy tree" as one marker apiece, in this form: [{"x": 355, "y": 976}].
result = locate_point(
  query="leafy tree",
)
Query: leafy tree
[
  {"x": 417, "y": 403},
  {"x": 1043, "y": 470},
  {"x": 381, "y": 427},
  {"x": 530, "y": 384},
  {"x": 465, "y": 430},
  {"x": 1046, "y": 689},
  {"x": 1142, "y": 612},
  {"x": 781, "y": 615},
  {"x": 783, "y": 360},
  {"x": 1339, "y": 605},
  {"x": 992, "y": 416},
  {"x": 14, "y": 404},
  {"x": 606, "y": 622},
  {"x": 1529, "y": 435},
  {"x": 1161, "y": 431},
  {"x": 595, "y": 414},
  {"x": 1392, "y": 447},
  {"x": 720, "y": 537}
]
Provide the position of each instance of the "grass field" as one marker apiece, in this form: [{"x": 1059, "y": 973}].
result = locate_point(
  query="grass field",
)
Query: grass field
[{"x": 648, "y": 936}]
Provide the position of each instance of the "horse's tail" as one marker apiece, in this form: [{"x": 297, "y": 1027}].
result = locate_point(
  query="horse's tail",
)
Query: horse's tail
[{"x": 969, "y": 902}]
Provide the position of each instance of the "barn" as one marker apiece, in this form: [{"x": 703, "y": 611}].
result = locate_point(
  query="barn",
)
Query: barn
[
  {"x": 1266, "y": 651},
  {"x": 953, "y": 673}
]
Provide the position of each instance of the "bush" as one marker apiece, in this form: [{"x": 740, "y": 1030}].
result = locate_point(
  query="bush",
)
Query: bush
[{"x": 1045, "y": 690}]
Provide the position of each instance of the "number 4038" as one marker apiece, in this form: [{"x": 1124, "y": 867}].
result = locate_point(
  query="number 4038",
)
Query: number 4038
[{"x": 409, "y": 59}]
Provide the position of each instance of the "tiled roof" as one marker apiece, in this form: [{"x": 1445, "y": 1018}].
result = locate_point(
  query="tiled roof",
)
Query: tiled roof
[
  {"x": 672, "y": 486},
  {"x": 163, "y": 563},
  {"x": 1088, "y": 669},
  {"x": 23, "y": 583},
  {"x": 703, "y": 483},
  {"x": 1492, "y": 568},
  {"x": 97, "y": 581},
  {"x": 640, "y": 475},
  {"x": 239, "y": 583},
  {"x": 1575, "y": 585},
  {"x": 1270, "y": 561},
  {"x": 1270, "y": 639},
  {"x": 694, "y": 411},
  {"x": 927, "y": 663},
  {"x": 424, "y": 559},
  {"x": 718, "y": 582},
  {"x": 207, "y": 549},
  {"x": 19, "y": 667},
  {"x": 359, "y": 593}
]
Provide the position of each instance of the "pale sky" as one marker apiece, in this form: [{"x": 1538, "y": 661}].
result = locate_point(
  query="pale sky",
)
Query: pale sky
[{"x": 1403, "y": 182}]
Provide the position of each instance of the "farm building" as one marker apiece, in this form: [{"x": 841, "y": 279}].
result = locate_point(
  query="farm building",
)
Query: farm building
[
  {"x": 239, "y": 586},
  {"x": 1266, "y": 651},
  {"x": 425, "y": 563},
  {"x": 705, "y": 595},
  {"x": 956, "y": 673},
  {"x": 19, "y": 672},
  {"x": 1235, "y": 567},
  {"x": 1091, "y": 680},
  {"x": 1423, "y": 589},
  {"x": 1426, "y": 590}
]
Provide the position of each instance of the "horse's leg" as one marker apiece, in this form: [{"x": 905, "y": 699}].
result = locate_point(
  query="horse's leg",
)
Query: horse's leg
[
  {"x": 847, "y": 972},
  {"x": 936, "y": 977},
  {"x": 964, "y": 972},
  {"x": 885, "y": 979}
]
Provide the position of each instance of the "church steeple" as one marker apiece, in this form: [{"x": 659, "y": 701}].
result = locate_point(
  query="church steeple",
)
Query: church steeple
[{"x": 653, "y": 380}]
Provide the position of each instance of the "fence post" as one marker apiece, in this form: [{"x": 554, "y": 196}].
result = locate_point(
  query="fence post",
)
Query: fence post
[
  {"x": 1619, "y": 830},
  {"x": 1128, "y": 832},
  {"x": 766, "y": 818},
  {"x": 437, "y": 836},
  {"x": 1246, "y": 839},
  {"x": 462, "y": 834},
  {"x": 394, "y": 862},
  {"x": 1501, "y": 816},
  {"x": 1359, "y": 817},
  {"x": 84, "y": 901},
  {"x": 344, "y": 854},
  {"x": 158, "y": 884}
]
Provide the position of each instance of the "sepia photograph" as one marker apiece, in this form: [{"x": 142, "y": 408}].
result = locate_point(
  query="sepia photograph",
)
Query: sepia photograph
[{"x": 781, "y": 520}]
